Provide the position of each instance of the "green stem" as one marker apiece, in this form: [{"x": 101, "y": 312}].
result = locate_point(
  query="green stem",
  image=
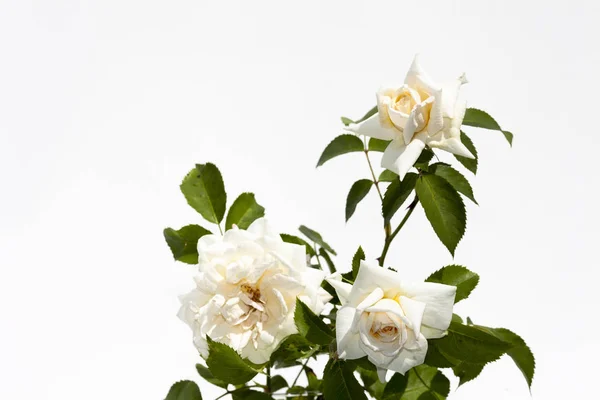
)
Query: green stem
[
  {"x": 220, "y": 230},
  {"x": 317, "y": 255},
  {"x": 386, "y": 226},
  {"x": 268, "y": 388},
  {"x": 300, "y": 372},
  {"x": 375, "y": 181},
  {"x": 390, "y": 238}
]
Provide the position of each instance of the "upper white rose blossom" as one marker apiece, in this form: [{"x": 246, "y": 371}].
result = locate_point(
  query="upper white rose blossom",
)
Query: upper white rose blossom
[
  {"x": 414, "y": 115},
  {"x": 246, "y": 291},
  {"x": 389, "y": 320}
]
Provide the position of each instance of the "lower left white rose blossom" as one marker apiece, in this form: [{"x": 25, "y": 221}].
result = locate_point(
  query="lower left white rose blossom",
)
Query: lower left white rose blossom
[{"x": 246, "y": 291}]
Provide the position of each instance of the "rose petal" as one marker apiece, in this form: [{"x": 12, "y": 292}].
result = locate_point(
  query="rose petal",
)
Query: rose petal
[
  {"x": 347, "y": 341},
  {"x": 384, "y": 100},
  {"x": 436, "y": 117},
  {"x": 419, "y": 79},
  {"x": 372, "y": 127},
  {"x": 342, "y": 289},
  {"x": 261, "y": 228},
  {"x": 399, "y": 158},
  {"x": 408, "y": 359},
  {"x": 369, "y": 278},
  {"x": 439, "y": 300},
  {"x": 371, "y": 299},
  {"x": 383, "y": 374},
  {"x": 413, "y": 310},
  {"x": 399, "y": 120},
  {"x": 392, "y": 307},
  {"x": 454, "y": 146}
]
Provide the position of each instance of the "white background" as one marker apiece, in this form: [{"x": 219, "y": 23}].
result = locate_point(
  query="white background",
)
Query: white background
[{"x": 104, "y": 106}]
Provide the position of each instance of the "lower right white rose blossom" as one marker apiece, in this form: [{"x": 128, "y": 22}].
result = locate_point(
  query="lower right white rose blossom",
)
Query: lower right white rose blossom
[{"x": 389, "y": 320}]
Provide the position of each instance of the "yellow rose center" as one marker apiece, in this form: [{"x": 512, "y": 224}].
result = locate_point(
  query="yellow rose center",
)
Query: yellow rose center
[
  {"x": 404, "y": 103},
  {"x": 405, "y": 99},
  {"x": 252, "y": 292},
  {"x": 384, "y": 329}
]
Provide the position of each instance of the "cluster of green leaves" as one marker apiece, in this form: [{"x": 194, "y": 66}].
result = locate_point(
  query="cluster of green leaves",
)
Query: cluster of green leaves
[
  {"x": 467, "y": 348},
  {"x": 204, "y": 190},
  {"x": 438, "y": 187}
]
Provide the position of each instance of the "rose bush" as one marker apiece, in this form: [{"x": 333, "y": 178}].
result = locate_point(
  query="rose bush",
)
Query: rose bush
[
  {"x": 414, "y": 115},
  {"x": 259, "y": 300},
  {"x": 389, "y": 320},
  {"x": 246, "y": 291}
]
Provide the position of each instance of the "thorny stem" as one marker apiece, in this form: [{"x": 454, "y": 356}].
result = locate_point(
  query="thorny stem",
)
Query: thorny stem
[{"x": 390, "y": 238}]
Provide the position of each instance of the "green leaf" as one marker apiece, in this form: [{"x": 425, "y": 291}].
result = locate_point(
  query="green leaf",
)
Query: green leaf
[
  {"x": 395, "y": 387},
  {"x": 396, "y": 194},
  {"x": 368, "y": 115},
  {"x": 339, "y": 382},
  {"x": 184, "y": 242},
  {"x": 456, "y": 275},
  {"x": 227, "y": 365},
  {"x": 454, "y": 178},
  {"x": 358, "y": 191},
  {"x": 467, "y": 371},
  {"x": 342, "y": 144},
  {"x": 518, "y": 351},
  {"x": 278, "y": 382},
  {"x": 425, "y": 382},
  {"x": 294, "y": 347},
  {"x": 315, "y": 237},
  {"x": 424, "y": 158},
  {"x": 378, "y": 144},
  {"x": 387, "y": 176},
  {"x": 296, "y": 240},
  {"x": 184, "y": 390},
  {"x": 244, "y": 211},
  {"x": 481, "y": 119},
  {"x": 328, "y": 260},
  {"x": 435, "y": 358},
  {"x": 470, "y": 344},
  {"x": 311, "y": 326},
  {"x": 457, "y": 318},
  {"x": 371, "y": 382},
  {"x": 468, "y": 163},
  {"x": 209, "y": 377},
  {"x": 346, "y": 121},
  {"x": 444, "y": 209},
  {"x": 358, "y": 256},
  {"x": 329, "y": 289},
  {"x": 314, "y": 383},
  {"x": 204, "y": 191}
]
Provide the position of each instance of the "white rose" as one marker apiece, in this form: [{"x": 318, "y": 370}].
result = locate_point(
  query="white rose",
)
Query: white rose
[
  {"x": 389, "y": 320},
  {"x": 246, "y": 291},
  {"x": 414, "y": 115}
]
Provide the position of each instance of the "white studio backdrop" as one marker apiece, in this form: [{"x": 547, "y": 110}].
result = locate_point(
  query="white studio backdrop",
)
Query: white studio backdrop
[{"x": 104, "y": 106}]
